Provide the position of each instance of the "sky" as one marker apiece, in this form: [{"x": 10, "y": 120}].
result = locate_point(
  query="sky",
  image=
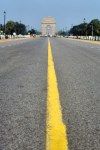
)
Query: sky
[{"x": 65, "y": 12}]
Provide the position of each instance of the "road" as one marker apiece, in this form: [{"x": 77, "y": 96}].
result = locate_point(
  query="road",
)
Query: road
[{"x": 23, "y": 93}]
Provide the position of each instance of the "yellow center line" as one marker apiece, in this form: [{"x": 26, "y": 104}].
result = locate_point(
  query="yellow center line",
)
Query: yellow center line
[{"x": 56, "y": 138}]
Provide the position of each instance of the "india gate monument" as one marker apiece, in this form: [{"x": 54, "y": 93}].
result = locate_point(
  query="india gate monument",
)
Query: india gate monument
[{"x": 48, "y": 26}]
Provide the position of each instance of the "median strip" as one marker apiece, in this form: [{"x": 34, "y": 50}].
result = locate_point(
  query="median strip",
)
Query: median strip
[{"x": 56, "y": 138}]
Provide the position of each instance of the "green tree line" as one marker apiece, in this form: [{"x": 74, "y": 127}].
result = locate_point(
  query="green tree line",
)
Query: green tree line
[
  {"x": 86, "y": 29},
  {"x": 83, "y": 29},
  {"x": 18, "y": 28},
  {"x": 12, "y": 27}
]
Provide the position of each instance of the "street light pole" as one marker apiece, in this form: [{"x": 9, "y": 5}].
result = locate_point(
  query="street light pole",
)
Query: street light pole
[
  {"x": 28, "y": 27},
  {"x": 4, "y": 23},
  {"x": 66, "y": 30},
  {"x": 20, "y": 27},
  {"x": 71, "y": 25},
  {"x": 84, "y": 21},
  {"x": 71, "y": 28},
  {"x": 92, "y": 29}
]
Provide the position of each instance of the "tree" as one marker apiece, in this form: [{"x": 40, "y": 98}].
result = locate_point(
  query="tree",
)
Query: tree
[
  {"x": 86, "y": 29},
  {"x": 62, "y": 33},
  {"x": 37, "y": 32},
  {"x": 78, "y": 30},
  {"x": 22, "y": 29},
  {"x": 1, "y": 27},
  {"x": 32, "y": 31},
  {"x": 12, "y": 27},
  {"x": 95, "y": 26}
]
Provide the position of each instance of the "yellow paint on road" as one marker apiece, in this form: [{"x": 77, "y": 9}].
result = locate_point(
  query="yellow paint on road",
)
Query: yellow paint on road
[{"x": 56, "y": 138}]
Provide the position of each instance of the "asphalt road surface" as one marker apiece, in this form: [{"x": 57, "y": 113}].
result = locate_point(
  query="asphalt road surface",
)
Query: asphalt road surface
[{"x": 23, "y": 93}]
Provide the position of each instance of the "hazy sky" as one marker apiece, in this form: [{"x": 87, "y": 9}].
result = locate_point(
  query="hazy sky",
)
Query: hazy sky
[{"x": 65, "y": 12}]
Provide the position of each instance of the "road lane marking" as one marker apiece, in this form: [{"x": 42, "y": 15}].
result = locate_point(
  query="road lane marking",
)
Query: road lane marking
[{"x": 56, "y": 138}]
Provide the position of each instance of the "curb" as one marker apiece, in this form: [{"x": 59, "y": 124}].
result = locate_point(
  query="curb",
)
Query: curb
[{"x": 86, "y": 41}]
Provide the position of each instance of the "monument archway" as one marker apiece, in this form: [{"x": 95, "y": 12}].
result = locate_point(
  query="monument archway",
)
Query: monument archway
[
  {"x": 48, "y": 29},
  {"x": 48, "y": 26}
]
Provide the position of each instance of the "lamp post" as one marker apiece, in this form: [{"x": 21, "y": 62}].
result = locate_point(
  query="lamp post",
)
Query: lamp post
[
  {"x": 65, "y": 31},
  {"x": 0, "y": 27},
  {"x": 28, "y": 27},
  {"x": 20, "y": 27},
  {"x": 84, "y": 21},
  {"x": 71, "y": 29},
  {"x": 92, "y": 29},
  {"x": 4, "y": 23},
  {"x": 71, "y": 25}
]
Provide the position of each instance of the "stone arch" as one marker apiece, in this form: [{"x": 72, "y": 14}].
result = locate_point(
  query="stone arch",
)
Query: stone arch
[{"x": 48, "y": 22}]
